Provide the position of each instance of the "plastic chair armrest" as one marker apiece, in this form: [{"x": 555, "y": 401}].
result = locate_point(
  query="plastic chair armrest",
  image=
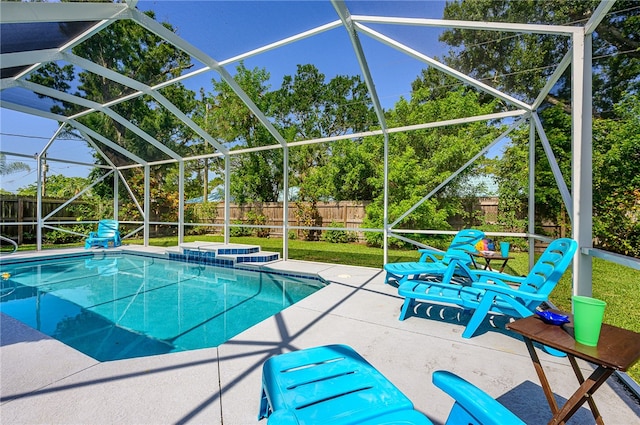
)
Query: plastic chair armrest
[
  {"x": 429, "y": 250},
  {"x": 486, "y": 275},
  {"x": 507, "y": 290},
  {"x": 407, "y": 288},
  {"x": 431, "y": 254},
  {"x": 479, "y": 405}
]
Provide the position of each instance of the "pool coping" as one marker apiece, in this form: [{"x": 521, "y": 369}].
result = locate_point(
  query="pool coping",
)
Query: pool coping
[{"x": 56, "y": 384}]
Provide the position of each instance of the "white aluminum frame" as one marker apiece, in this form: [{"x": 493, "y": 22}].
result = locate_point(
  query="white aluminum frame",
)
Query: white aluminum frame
[{"x": 578, "y": 202}]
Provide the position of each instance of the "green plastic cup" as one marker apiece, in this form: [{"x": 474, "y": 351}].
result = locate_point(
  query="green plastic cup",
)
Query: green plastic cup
[{"x": 587, "y": 319}]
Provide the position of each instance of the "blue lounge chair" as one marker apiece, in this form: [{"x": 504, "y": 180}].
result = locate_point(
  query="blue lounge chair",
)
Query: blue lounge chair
[
  {"x": 435, "y": 262},
  {"x": 334, "y": 385},
  {"x": 107, "y": 233},
  {"x": 331, "y": 384},
  {"x": 491, "y": 292}
]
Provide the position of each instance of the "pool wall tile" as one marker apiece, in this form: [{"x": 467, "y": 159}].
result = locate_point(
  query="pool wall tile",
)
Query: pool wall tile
[{"x": 200, "y": 257}]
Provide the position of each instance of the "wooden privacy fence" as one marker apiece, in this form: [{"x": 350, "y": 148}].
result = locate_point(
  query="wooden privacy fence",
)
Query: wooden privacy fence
[
  {"x": 349, "y": 214},
  {"x": 19, "y": 209}
]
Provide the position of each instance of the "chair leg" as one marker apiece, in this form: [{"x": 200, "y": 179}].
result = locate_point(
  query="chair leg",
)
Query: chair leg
[
  {"x": 408, "y": 305},
  {"x": 479, "y": 315},
  {"x": 389, "y": 277},
  {"x": 264, "y": 405}
]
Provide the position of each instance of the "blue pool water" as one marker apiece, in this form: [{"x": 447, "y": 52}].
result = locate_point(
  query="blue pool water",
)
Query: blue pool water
[{"x": 121, "y": 306}]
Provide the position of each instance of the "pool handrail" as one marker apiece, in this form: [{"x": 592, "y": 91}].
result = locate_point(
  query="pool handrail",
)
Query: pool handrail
[{"x": 12, "y": 242}]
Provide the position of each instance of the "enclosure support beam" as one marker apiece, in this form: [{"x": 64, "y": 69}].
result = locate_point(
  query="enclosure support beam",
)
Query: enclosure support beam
[
  {"x": 181, "y": 203},
  {"x": 345, "y": 17},
  {"x": 227, "y": 197},
  {"x": 116, "y": 197},
  {"x": 581, "y": 167},
  {"x": 532, "y": 192},
  {"x": 39, "y": 203},
  {"x": 40, "y": 166},
  {"x": 555, "y": 168},
  {"x": 285, "y": 203},
  {"x": 147, "y": 203},
  {"x": 385, "y": 235}
]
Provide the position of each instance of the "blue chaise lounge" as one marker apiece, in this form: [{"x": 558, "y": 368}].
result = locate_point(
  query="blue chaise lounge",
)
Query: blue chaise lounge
[
  {"x": 434, "y": 262},
  {"x": 334, "y": 385},
  {"x": 491, "y": 292},
  {"x": 107, "y": 234}
]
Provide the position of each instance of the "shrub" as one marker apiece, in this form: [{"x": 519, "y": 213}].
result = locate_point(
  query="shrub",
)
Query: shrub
[
  {"x": 201, "y": 213},
  {"x": 55, "y": 237},
  {"x": 308, "y": 215},
  {"x": 239, "y": 231},
  {"x": 338, "y": 236},
  {"x": 257, "y": 218}
]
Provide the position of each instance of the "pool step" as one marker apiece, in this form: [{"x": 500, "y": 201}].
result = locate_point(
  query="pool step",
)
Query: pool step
[
  {"x": 227, "y": 255},
  {"x": 262, "y": 257}
]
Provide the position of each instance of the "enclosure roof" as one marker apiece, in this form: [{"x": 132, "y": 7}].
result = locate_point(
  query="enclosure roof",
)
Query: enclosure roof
[{"x": 35, "y": 34}]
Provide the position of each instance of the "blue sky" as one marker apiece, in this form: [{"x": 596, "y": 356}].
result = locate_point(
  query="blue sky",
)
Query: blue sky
[{"x": 226, "y": 29}]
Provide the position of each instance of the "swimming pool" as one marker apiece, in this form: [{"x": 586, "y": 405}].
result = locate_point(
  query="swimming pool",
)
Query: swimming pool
[{"x": 116, "y": 306}]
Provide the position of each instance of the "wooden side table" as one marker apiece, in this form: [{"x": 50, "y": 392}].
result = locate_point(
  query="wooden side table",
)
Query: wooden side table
[
  {"x": 618, "y": 349},
  {"x": 488, "y": 257}
]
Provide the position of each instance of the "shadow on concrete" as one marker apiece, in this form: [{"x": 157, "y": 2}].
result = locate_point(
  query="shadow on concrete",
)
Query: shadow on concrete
[
  {"x": 12, "y": 331},
  {"x": 521, "y": 399}
]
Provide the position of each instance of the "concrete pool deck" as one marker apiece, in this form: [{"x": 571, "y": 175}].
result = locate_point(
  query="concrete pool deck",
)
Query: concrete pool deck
[{"x": 45, "y": 381}]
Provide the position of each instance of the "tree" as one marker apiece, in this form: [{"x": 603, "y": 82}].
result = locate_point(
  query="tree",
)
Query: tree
[
  {"x": 420, "y": 160},
  {"x": 131, "y": 50},
  {"x": 616, "y": 179},
  {"x": 305, "y": 107},
  {"x": 348, "y": 174},
  {"x": 520, "y": 64},
  {"x": 308, "y": 107},
  {"x": 58, "y": 186},
  {"x": 256, "y": 176},
  {"x": 14, "y": 167}
]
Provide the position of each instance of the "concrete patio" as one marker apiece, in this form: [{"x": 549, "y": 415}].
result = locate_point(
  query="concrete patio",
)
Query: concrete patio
[{"x": 45, "y": 381}]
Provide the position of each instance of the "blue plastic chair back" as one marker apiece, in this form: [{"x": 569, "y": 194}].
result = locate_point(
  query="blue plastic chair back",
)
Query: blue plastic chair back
[
  {"x": 107, "y": 228},
  {"x": 462, "y": 244},
  {"x": 550, "y": 267}
]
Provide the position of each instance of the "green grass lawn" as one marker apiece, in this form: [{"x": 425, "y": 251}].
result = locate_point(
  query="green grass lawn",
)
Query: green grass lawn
[{"x": 618, "y": 285}]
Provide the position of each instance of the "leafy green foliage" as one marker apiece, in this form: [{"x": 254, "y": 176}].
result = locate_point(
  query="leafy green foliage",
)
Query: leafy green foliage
[
  {"x": 256, "y": 176},
  {"x": 131, "y": 50},
  {"x": 14, "y": 167},
  {"x": 616, "y": 180},
  {"x": 307, "y": 214},
  {"x": 57, "y": 237},
  {"x": 257, "y": 218},
  {"x": 239, "y": 231},
  {"x": 200, "y": 213},
  {"x": 58, "y": 186},
  {"x": 420, "y": 160},
  {"x": 520, "y": 63},
  {"x": 305, "y": 107},
  {"x": 338, "y": 236}
]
